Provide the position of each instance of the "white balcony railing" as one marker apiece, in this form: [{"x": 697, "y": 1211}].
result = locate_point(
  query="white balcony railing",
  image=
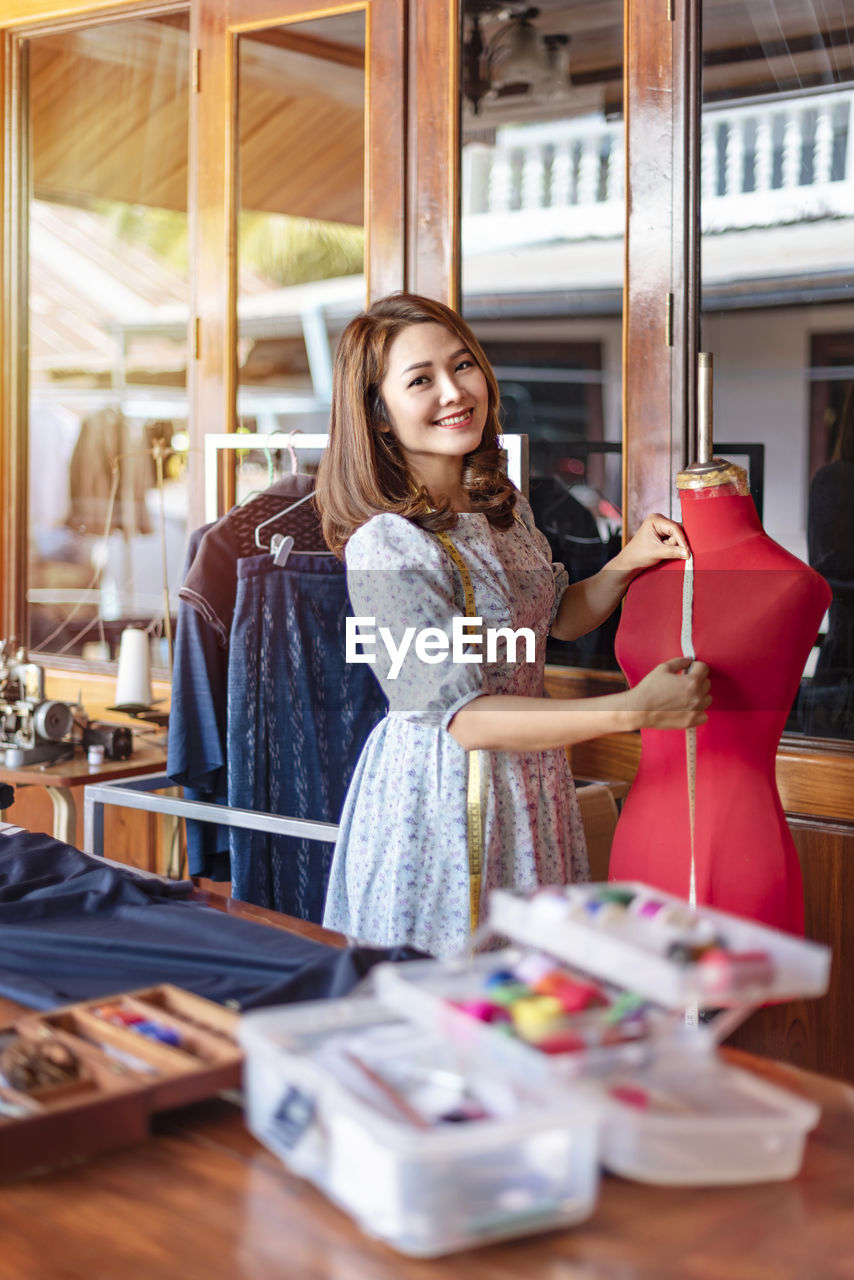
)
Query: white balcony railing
[
  {"x": 764, "y": 165},
  {"x": 544, "y": 182},
  {"x": 782, "y": 162}
]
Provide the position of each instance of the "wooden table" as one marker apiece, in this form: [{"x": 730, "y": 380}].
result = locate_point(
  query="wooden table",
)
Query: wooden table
[
  {"x": 202, "y": 1200},
  {"x": 61, "y": 780}
]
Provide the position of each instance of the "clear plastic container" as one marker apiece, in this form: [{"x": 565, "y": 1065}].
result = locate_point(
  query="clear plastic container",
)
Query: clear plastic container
[
  {"x": 686, "y": 1118},
  {"x": 697, "y": 1121},
  {"x": 425, "y": 1190},
  {"x": 630, "y": 948},
  {"x": 429, "y": 993}
]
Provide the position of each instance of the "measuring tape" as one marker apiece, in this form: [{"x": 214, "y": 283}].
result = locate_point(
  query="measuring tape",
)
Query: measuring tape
[
  {"x": 692, "y": 1012},
  {"x": 474, "y": 800},
  {"x": 690, "y": 734}
]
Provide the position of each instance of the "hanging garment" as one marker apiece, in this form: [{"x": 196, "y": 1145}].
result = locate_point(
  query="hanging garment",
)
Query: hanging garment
[
  {"x": 197, "y": 728},
  {"x": 198, "y": 717},
  {"x": 298, "y": 715},
  {"x": 75, "y": 928},
  {"x": 105, "y": 441},
  {"x": 210, "y": 584}
]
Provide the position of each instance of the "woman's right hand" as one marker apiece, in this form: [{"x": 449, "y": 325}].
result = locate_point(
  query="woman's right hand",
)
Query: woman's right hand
[{"x": 674, "y": 695}]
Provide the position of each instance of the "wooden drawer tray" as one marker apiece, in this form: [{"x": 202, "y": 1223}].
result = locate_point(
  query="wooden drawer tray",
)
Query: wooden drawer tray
[{"x": 185, "y": 1051}]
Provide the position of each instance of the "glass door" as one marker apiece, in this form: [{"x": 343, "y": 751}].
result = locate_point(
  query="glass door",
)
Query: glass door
[{"x": 777, "y": 251}]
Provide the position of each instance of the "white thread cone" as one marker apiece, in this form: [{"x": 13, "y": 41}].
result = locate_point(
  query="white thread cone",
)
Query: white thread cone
[{"x": 133, "y": 682}]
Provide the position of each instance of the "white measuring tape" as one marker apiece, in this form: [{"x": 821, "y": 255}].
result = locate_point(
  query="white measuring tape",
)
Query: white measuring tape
[
  {"x": 692, "y": 1012},
  {"x": 690, "y": 734}
]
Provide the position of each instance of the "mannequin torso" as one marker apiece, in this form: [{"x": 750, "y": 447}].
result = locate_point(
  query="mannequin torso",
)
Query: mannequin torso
[{"x": 756, "y": 611}]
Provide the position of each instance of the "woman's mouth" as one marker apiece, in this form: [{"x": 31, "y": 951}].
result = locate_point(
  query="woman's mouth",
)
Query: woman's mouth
[{"x": 461, "y": 419}]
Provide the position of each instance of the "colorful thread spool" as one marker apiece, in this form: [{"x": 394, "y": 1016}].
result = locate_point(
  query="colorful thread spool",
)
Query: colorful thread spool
[
  {"x": 626, "y": 1006},
  {"x": 562, "y": 1042},
  {"x": 156, "y": 1031},
  {"x": 483, "y": 1010},
  {"x": 574, "y": 996},
  {"x": 507, "y": 993},
  {"x": 631, "y": 1096},
  {"x": 615, "y": 893},
  {"x": 733, "y": 971},
  {"x": 117, "y": 1015},
  {"x": 686, "y": 952},
  {"x": 538, "y": 1017},
  {"x": 500, "y": 978},
  {"x": 602, "y": 910}
]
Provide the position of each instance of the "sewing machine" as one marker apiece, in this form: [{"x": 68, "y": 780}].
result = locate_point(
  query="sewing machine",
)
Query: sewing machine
[{"x": 32, "y": 727}]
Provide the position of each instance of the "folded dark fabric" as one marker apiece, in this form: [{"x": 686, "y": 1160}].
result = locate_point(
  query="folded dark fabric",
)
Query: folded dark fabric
[{"x": 75, "y": 928}]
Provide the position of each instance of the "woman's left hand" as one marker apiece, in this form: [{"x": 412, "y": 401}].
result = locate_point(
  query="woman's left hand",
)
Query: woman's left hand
[{"x": 658, "y": 538}]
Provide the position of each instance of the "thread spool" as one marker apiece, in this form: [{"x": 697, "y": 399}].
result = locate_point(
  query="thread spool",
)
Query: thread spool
[{"x": 133, "y": 680}]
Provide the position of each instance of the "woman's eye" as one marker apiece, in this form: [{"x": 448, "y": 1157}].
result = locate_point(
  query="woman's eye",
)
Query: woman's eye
[
  {"x": 465, "y": 364},
  {"x": 417, "y": 381}
]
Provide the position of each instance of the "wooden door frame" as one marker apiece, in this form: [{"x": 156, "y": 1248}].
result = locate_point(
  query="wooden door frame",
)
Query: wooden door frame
[
  {"x": 434, "y": 143},
  {"x": 661, "y": 282}
]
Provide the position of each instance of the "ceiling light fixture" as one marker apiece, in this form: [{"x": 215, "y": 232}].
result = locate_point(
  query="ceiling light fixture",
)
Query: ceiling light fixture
[{"x": 515, "y": 61}]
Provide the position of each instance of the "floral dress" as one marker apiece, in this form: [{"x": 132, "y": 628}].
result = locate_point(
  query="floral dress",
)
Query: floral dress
[{"x": 400, "y": 872}]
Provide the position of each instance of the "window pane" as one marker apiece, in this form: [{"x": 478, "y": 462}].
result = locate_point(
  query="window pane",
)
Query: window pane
[
  {"x": 107, "y": 307},
  {"x": 542, "y": 269},
  {"x": 301, "y": 222},
  {"x": 778, "y": 293}
]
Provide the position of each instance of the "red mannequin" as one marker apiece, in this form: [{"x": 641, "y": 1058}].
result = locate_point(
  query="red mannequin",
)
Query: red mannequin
[{"x": 756, "y": 612}]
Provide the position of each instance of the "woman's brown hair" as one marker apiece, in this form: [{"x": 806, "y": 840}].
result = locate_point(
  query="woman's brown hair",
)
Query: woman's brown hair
[{"x": 363, "y": 471}]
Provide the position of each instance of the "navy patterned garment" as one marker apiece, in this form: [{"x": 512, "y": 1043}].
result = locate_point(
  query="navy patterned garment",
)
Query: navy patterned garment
[{"x": 298, "y": 716}]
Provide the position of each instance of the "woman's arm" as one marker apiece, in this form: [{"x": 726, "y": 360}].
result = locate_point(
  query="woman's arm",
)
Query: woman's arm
[
  {"x": 670, "y": 697},
  {"x": 586, "y": 604}
]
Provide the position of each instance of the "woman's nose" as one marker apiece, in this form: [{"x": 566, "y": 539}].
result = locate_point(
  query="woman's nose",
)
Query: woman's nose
[{"x": 449, "y": 389}]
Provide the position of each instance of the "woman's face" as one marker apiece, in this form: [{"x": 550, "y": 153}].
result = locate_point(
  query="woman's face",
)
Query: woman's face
[{"x": 435, "y": 395}]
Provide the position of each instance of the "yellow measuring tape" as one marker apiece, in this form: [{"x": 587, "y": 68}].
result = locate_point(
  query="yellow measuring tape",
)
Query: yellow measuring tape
[{"x": 474, "y": 806}]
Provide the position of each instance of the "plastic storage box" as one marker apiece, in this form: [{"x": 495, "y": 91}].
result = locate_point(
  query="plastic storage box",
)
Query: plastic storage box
[
  {"x": 426, "y": 1191},
  {"x": 628, "y": 946},
  {"x": 696, "y": 1121},
  {"x": 674, "y": 1112}
]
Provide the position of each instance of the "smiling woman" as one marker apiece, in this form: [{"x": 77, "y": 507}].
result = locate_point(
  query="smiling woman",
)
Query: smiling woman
[
  {"x": 436, "y": 401},
  {"x": 465, "y": 785}
]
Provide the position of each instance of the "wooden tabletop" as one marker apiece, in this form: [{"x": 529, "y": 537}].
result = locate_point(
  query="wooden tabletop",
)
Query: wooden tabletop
[
  {"x": 77, "y": 772},
  {"x": 201, "y": 1200}
]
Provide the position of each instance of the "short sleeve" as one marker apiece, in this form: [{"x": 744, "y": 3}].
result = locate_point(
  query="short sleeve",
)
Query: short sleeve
[
  {"x": 401, "y": 585},
  {"x": 561, "y": 577}
]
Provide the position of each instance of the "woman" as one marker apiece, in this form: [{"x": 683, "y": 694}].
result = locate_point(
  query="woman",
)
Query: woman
[{"x": 465, "y": 785}]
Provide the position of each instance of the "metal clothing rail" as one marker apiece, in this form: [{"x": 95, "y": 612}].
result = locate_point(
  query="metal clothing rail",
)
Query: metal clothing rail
[{"x": 131, "y": 793}]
